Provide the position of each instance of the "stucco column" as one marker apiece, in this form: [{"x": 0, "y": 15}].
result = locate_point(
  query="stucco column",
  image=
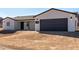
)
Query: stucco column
[
  {"x": 25, "y": 26},
  {"x": 76, "y": 24},
  {"x": 37, "y": 25},
  {"x": 71, "y": 25}
]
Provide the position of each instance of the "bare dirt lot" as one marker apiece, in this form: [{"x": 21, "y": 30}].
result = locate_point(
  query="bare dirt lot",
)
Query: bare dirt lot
[{"x": 31, "y": 40}]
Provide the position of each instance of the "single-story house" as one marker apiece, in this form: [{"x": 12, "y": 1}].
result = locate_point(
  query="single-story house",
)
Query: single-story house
[{"x": 50, "y": 20}]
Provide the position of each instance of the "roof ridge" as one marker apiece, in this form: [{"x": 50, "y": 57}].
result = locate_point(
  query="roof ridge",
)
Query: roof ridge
[{"x": 55, "y": 9}]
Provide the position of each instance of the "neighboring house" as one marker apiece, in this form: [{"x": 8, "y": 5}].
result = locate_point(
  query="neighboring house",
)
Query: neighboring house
[
  {"x": 1, "y": 19},
  {"x": 50, "y": 20}
]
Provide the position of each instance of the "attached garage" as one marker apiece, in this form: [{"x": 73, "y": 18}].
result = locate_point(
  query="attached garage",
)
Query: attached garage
[
  {"x": 54, "y": 24},
  {"x": 56, "y": 20}
]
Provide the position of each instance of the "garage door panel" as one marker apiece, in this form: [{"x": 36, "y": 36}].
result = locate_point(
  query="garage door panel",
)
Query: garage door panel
[{"x": 53, "y": 24}]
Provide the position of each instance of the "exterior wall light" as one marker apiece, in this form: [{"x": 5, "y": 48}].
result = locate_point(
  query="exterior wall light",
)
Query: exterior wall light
[
  {"x": 70, "y": 17},
  {"x": 37, "y": 22}
]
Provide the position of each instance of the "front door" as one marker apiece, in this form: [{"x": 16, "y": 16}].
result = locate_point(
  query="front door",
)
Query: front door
[{"x": 22, "y": 26}]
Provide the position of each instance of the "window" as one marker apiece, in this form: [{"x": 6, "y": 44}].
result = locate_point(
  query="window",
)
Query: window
[{"x": 8, "y": 23}]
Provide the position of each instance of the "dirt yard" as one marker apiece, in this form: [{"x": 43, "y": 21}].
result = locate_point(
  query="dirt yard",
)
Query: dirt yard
[{"x": 31, "y": 40}]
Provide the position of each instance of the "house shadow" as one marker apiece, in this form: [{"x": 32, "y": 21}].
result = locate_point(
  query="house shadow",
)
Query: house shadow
[
  {"x": 62, "y": 33},
  {"x": 7, "y": 31}
]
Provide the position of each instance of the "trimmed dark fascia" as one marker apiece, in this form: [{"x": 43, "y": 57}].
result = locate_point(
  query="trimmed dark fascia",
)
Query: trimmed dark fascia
[
  {"x": 9, "y": 18},
  {"x": 55, "y": 9}
]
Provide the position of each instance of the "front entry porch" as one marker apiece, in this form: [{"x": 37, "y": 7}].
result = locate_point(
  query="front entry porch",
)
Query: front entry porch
[{"x": 24, "y": 26}]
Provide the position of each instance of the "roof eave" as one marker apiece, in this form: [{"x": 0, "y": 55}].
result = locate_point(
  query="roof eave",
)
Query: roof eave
[{"x": 55, "y": 9}]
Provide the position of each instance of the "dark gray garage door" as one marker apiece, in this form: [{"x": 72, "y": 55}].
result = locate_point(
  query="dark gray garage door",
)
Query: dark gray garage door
[{"x": 53, "y": 24}]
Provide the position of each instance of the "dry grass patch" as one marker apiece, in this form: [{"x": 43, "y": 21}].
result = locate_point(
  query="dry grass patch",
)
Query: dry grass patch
[{"x": 31, "y": 40}]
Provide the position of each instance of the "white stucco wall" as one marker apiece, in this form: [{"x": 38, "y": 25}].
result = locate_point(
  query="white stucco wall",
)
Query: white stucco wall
[
  {"x": 17, "y": 25},
  {"x": 72, "y": 24},
  {"x": 25, "y": 26},
  {"x": 54, "y": 14},
  {"x": 32, "y": 25},
  {"x": 37, "y": 26},
  {"x": 11, "y": 27}
]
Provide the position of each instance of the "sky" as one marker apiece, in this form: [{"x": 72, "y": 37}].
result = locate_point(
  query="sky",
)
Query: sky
[{"x": 12, "y": 12}]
